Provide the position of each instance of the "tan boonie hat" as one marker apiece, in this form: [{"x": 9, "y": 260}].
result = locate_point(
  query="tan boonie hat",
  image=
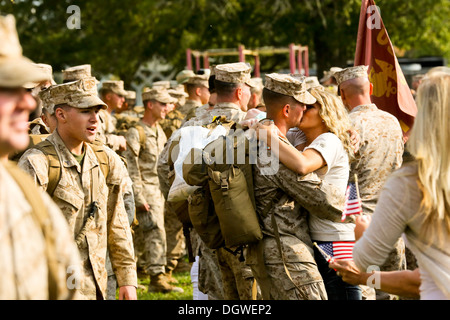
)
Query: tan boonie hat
[
  {"x": 289, "y": 86},
  {"x": 79, "y": 94},
  {"x": 351, "y": 73},
  {"x": 238, "y": 72},
  {"x": 160, "y": 95},
  {"x": 199, "y": 79},
  {"x": 115, "y": 86},
  {"x": 15, "y": 69},
  {"x": 77, "y": 73},
  {"x": 183, "y": 76}
]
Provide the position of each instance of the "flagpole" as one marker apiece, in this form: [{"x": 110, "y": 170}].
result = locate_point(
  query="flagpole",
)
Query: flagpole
[
  {"x": 357, "y": 191},
  {"x": 329, "y": 259}
]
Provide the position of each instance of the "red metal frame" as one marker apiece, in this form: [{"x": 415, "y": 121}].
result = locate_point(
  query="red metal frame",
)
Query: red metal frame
[{"x": 298, "y": 57}]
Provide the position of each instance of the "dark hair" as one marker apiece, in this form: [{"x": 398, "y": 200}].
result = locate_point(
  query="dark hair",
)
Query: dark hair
[
  {"x": 225, "y": 88},
  {"x": 274, "y": 99},
  {"x": 212, "y": 84}
]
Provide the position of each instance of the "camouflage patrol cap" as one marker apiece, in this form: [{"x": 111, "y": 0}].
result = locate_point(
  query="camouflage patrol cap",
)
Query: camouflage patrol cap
[
  {"x": 131, "y": 95},
  {"x": 160, "y": 95},
  {"x": 199, "y": 79},
  {"x": 183, "y": 76},
  {"x": 80, "y": 94},
  {"x": 47, "y": 69},
  {"x": 77, "y": 73},
  {"x": 15, "y": 69},
  {"x": 161, "y": 84},
  {"x": 258, "y": 85},
  {"x": 177, "y": 93},
  {"x": 312, "y": 82},
  {"x": 238, "y": 72},
  {"x": 351, "y": 73},
  {"x": 328, "y": 74},
  {"x": 115, "y": 86},
  {"x": 289, "y": 86}
]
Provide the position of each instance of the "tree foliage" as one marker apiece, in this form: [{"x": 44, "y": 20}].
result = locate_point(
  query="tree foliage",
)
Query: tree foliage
[{"x": 116, "y": 36}]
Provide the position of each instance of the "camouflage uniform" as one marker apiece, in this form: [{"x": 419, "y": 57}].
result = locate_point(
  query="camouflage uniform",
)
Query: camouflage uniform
[
  {"x": 188, "y": 106},
  {"x": 23, "y": 266},
  {"x": 74, "y": 196},
  {"x": 142, "y": 162},
  {"x": 37, "y": 126},
  {"x": 380, "y": 153},
  {"x": 209, "y": 282},
  {"x": 106, "y": 130},
  {"x": 172, "y": 122},
  {"x": 300, "y": 195}
]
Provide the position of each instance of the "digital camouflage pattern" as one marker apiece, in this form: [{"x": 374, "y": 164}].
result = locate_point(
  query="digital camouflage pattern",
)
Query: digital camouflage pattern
[
  {"x": 23, "y": 265},
  {"x": 380, "y": 152},
  {"x": 189, "y": 105},
  {"x": 301, "y": 196},
  {"x": 74, "y": 196},
  {"x": 142, "y": 167}
]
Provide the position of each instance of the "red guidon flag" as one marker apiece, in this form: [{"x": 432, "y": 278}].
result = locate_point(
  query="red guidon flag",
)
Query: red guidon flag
[{"x": 391, "y": 92}]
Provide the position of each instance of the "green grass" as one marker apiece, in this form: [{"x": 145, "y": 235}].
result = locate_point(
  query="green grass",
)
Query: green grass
[{"x": 184, "y": 282}]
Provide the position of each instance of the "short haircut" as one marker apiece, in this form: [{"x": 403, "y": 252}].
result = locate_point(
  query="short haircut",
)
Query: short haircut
[
  {"x": 275, "y": 100},
  {"x": 225, "y": 88},
  {"x": 191, "y": 87}
]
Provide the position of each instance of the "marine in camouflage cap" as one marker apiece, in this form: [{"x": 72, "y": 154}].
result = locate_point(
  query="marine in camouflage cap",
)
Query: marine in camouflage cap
[
  {"x": 184, "y": 75},
  {"x": 289, "y": 86},
  {"x": 350, "y": 74},
  {"x": 164, "y": 84},
  {"x": 238, "y": 72},
  {"x": 116, "y": 86},
  {"x": 37, "y": 249},
  {"x": 81, "y": 94},
  {"x": 77, "y": 73},
  {"x": 160, "y": 95}
]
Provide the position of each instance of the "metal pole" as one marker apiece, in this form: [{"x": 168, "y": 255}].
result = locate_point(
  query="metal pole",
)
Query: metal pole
[
  {"x": 188, "y": 59},
  {"x": 306, "y": 62},
  {"x": 241, "y": 53},
  {"x": 292, "y": 58},
  {"x": 257, "y": 66},
  {"x": 206, "y": 61},
  {"x": 299, "y": 59}
]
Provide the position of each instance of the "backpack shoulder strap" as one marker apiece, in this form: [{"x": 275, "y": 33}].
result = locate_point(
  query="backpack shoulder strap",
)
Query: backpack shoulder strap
[
  {"x": 102, "y": 158},
  {"x": 41, "y": 216},
  {"x": 54, "y": 164},
  {"x": 142, "y": 136}
]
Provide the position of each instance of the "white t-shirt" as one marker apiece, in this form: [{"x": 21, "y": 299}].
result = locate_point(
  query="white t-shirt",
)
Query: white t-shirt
[{"x": 335, "y": 172}]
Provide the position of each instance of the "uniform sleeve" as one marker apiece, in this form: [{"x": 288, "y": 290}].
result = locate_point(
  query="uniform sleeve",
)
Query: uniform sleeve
[
  {"x": 35, "y": 163},
  {"x": 315, "y": 195},
  {"x": 120, "y": 241},
  {"x": 132, "y": 157}
]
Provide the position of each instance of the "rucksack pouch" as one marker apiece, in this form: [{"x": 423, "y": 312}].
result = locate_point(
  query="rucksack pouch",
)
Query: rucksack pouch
[
  {"x": 204, "y": 219},
  {"x": 234, "y": 207}
]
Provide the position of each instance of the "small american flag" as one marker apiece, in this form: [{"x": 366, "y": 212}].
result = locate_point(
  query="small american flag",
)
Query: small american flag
[
  {"x": 352, "y": 202},
  {"x": 339, "y": 250}
]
